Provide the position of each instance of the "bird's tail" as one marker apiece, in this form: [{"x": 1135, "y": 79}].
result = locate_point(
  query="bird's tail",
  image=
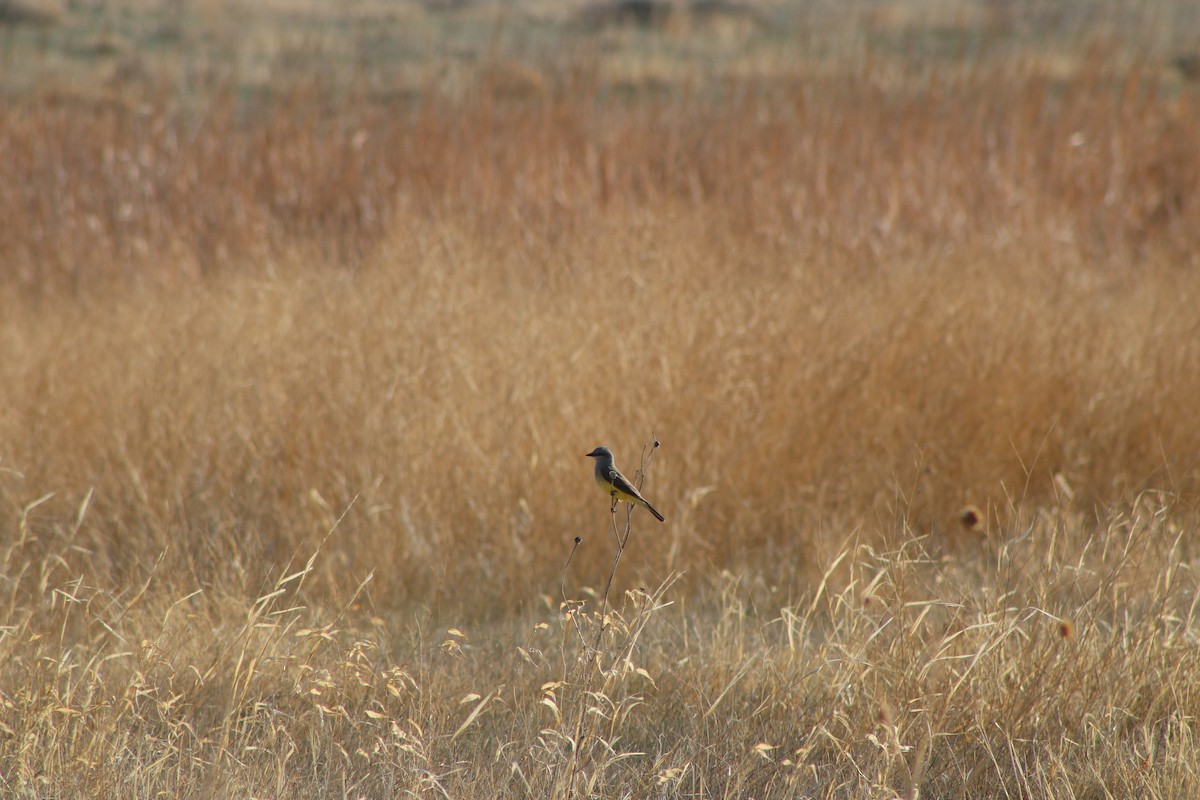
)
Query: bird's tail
[{"x": 652, "y": 510}]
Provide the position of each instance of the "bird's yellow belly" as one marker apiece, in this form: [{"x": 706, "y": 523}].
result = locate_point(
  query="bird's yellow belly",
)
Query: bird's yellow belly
[{"x": 614, "y": 491}]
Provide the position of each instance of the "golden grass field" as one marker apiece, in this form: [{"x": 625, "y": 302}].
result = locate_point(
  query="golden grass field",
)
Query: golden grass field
[{"x": 297, "y": 378}]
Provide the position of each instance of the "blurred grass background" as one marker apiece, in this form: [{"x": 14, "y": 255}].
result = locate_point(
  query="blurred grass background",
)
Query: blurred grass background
[{"x": 271, "y": 271}]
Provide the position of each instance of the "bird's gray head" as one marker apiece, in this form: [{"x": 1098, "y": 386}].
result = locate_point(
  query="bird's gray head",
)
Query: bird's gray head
[{"x": 600, "y": 452}]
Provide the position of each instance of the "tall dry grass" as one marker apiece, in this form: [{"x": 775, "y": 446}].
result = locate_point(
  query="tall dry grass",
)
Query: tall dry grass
[
  {"x": 868, "y": 163},
  {"x": 286, "y": 395},
  {"x": 1061, "y": 663}
]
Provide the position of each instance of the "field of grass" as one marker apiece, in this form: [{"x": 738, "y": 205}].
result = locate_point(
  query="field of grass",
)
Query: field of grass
[{"x": 298, "y": 372}]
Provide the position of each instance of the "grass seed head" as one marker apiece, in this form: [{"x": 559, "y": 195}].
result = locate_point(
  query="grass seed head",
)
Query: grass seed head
[{"x": 969, "y": 517}]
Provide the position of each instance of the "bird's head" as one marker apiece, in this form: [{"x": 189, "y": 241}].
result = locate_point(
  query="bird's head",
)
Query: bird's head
[{"x": 600, "y": 452}]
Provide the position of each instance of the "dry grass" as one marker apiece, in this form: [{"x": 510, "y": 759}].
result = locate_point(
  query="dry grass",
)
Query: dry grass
[
  {"x": 294, "y": 403},
  {"x": 1063, "y": 663}
]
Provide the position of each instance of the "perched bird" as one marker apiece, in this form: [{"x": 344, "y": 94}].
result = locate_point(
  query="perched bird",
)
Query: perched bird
[{"x": 615, "y": 484}]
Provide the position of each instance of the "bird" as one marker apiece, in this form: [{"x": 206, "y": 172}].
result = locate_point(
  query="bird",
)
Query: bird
[{"x": 615, "y": 485}]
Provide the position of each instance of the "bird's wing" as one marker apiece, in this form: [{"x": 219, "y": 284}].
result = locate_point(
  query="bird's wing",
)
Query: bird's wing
[{"x": 621, "y": 484}]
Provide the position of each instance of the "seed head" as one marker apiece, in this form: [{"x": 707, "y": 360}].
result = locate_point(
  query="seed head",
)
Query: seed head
[{"x": 969, "y": 517}]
